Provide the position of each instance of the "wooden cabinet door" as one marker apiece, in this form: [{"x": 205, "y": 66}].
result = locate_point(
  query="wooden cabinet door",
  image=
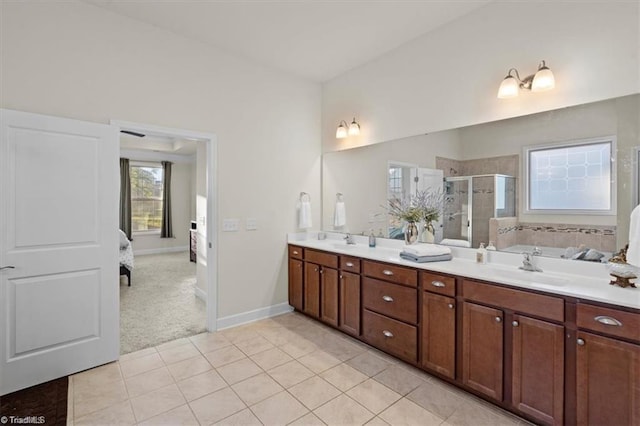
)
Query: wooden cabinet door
[
  {"x": 438, "y": 334},
  {"x": 608, "y": 378},
  {"x": 482, "y": 349},
  {"x": 538, "y": 369},
  {"x": 329, "y": 296},
  {"x": 295, "y": 284},
  {"x": 349, "y": 320},
  {"x": 312, "y": 289}
]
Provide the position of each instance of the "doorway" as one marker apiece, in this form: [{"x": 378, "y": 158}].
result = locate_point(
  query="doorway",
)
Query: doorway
[{"x": 205, "y": 207}]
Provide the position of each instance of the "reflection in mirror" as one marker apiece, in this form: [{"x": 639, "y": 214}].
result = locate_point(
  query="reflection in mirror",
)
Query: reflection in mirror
[{"x": 363, "y": 176}]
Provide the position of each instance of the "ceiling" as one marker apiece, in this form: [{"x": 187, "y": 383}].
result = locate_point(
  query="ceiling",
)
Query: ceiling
[
  {"x": 313, "y": 39},
  {"x": 159, "y": 143}
]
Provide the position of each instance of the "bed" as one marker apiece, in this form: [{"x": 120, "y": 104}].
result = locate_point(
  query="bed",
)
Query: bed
[{"x": 126, "y": 256}]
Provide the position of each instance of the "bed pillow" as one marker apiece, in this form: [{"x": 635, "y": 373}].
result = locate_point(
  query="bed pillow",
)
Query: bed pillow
[{"x": 124, "y": 241}]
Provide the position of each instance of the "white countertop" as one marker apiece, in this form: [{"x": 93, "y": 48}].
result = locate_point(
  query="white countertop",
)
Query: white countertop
[{"x": 579, "y": 279}]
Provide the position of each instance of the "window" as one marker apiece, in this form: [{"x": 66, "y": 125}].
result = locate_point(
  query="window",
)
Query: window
[
  {"x": 571, "y": 178},
  {"x": 395, "y": 181},
  {"x": 146, "y": 197}
]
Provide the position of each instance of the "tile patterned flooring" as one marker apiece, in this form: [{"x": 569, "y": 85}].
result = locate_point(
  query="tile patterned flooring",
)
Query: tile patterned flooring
[{"x": 283, "y": 370}]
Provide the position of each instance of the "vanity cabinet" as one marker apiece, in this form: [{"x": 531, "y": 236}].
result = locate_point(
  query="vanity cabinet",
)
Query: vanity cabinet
[
  {"x": 608, "y": 366},
  {"x": 321, "y": 286},
  {"x": 349, "y": 301},
  {"x": 438, "y": 324},
  {"x": 296, "y": 278},
  {"x": 511, "y": 356}
]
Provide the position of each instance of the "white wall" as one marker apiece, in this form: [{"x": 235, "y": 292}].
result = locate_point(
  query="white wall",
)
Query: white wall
[
  {"x": 450, "y": 77},
  {"x": 75, "y": 60}
]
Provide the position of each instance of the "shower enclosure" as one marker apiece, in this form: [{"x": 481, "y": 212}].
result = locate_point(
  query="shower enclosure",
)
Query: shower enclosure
[{"x": 472, "y": 200}]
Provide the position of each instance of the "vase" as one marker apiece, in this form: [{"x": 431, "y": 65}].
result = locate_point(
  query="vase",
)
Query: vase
[
  {"x": 411, "y": 233},
  {"x": 428, "y": 233}
]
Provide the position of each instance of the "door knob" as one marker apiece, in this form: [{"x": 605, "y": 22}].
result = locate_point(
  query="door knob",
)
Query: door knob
[{"x": 7, "y": 267}]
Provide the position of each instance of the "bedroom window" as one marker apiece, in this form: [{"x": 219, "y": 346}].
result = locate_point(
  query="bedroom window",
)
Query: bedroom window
[
  {"x": 146, "y": 197},
  {"x": 571, "y": 177}
]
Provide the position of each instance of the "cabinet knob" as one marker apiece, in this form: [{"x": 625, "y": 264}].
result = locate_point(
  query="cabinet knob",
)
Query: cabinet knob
[
  {"x": 387, "y": 298},
  {"x": 515, "y": 323},
  {"x": 341, "y": 277},
  {"x": 295, "y": 252},
  {"x": 321, "y": 270},
  {"x": 498, "y": 319},
  {"x": 580, "y": 342},
  {"x": 315, "y": 270},
  {"x": 437, "y": 283},
  {"x": 387, "y": 333},
  {"x": 349, "y": 264},
  {"x": 387, "y": 272},
  {"x": 450, "y": 305},
  {"x": 608, "y": 321}
]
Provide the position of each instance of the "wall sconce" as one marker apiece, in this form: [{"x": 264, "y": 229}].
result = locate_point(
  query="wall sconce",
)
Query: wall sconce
[
  {"x": 539, "y": 82},
  {"x": 354, "y": 129}
]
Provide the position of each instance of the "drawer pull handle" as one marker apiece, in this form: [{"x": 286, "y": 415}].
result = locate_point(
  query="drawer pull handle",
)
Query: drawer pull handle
[
  {"x": 387, "y": 333},
  {"x": 608, "y": 321},
  {"x": 387, "y": 298},
  {"x": 437, "y": 283},
  {"x": 450, "y": 305},
  {"x": 387, "y": 272},
  {"x": 498, "y": 319},
  {"x": 349, "y": 264},
  {"x": 515, "y": 323},
  {"x": 580, "y": 342},
  {"x": 295, "y": 252}
]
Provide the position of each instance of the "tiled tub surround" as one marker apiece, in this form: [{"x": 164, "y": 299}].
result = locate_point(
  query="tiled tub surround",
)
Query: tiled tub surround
[
  {"x": 507, "y": 232},
  {"x": 284, "y": 370}
]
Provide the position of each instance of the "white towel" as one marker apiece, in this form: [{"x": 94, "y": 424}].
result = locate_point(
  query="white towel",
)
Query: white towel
[
  {"x": 420, "y": 250},
  {"x": 340, "y": 215},
  {"x": 304, "y": 215},
  {"x": 455, "y": 243},
  {"x": 633, "y": 253}
]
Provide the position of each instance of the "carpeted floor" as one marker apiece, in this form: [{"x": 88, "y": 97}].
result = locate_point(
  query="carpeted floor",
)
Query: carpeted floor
[
  {"x": 41, "y": 404},
  {"x": 161, "y": 304}
]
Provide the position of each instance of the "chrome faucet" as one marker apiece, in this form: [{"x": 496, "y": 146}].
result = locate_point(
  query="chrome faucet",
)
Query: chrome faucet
[
  {"x": 349, "y": 239},
  {"x": 527, "y": 261}
]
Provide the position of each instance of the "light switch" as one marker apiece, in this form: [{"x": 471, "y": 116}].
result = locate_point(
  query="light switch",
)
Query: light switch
[
  {"x": 251, "y": 224},
  {"x": 230, "y": 225}
]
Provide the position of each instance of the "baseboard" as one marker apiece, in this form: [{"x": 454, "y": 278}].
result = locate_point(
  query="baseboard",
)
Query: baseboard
[
  {"x": 200, "y": 294},
  {"x": 160, "y": 250},
  {"x": 251, "y": 316}
]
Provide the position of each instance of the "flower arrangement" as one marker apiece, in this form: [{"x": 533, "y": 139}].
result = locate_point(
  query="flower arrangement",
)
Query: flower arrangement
[{"x": 425, "y": 206}]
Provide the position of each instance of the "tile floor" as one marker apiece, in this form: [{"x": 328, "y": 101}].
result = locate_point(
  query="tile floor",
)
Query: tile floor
[{"x": 284, "y": 370}]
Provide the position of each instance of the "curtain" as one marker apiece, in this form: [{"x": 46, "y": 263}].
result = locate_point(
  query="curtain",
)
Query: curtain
[
  {"x": 125, "y": 197},
  {"x": 166, "y": 231}
]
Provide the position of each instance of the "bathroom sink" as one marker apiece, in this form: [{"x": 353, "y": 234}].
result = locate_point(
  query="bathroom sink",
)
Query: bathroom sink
[
  {"x": 539, "y": 279},
  {"x": 344, "y": 246}
]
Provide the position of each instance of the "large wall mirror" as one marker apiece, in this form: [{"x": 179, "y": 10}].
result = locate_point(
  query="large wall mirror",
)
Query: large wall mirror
[{"x": 489, "y": 177}]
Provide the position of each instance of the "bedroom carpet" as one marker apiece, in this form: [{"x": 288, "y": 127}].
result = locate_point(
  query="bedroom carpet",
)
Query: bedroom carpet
[{"x": 161, "y": 304}]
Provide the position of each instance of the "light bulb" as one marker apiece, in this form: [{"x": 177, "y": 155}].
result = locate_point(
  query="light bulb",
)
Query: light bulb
[
  {"x": 508, "y": 88},
  {"x": 354, "y": 128},
  {"x": 341, "y": 132},
  {"x": 543, "y": 80}
]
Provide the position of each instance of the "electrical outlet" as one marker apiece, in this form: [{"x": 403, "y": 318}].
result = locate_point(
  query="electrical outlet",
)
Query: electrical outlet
[
  {"x": 251, "y": 224},
  {"x": 230, "y": 225}
]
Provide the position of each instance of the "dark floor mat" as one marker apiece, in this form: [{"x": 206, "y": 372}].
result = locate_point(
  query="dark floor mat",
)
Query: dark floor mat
[{"x": 42, "y": 404}]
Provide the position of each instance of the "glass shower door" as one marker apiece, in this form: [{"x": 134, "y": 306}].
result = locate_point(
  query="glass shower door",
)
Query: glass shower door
[{"x": 456, "y": 221}]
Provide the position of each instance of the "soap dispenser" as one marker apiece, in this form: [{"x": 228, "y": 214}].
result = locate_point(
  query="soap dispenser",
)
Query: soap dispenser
[
  {"x": 372, "y": 238},
  {"x": 481, "y": 254}
]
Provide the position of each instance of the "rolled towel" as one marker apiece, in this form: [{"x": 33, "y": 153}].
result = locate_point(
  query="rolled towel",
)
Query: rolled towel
[
  {"x": 304, "y": 215},
  {"x": 426, "y": 250},
  {"x": 455, "y": 243},
  {"x": 340, "y": 215},
  {"x": 124, "y": 241},
  {"x": 633, "y": 252}
]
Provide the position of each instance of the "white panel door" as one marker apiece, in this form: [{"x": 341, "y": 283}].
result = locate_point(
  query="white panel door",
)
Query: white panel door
[{"x": 59, "y": 308}]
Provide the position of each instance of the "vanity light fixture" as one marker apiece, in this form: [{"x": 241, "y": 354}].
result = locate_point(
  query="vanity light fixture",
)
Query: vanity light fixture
[
  {"x": 342, "y": 132},
  {"x": 539, "y": 82}
]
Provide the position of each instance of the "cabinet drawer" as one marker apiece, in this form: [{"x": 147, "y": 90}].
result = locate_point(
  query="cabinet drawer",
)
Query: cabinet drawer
[
  {"x": 519, "y": 301},
  {"x": 321, "y": 258},
  {"x": 610, "y": 321},
  {"x": 351, "y": 264},
  {"x": 390, "y": 335},
  {"x": 397, "y": 274},
  {"x": 390, "y": 299},
  {"x": 296, "y": 252},
  {"x": 438, "y": 283}
]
